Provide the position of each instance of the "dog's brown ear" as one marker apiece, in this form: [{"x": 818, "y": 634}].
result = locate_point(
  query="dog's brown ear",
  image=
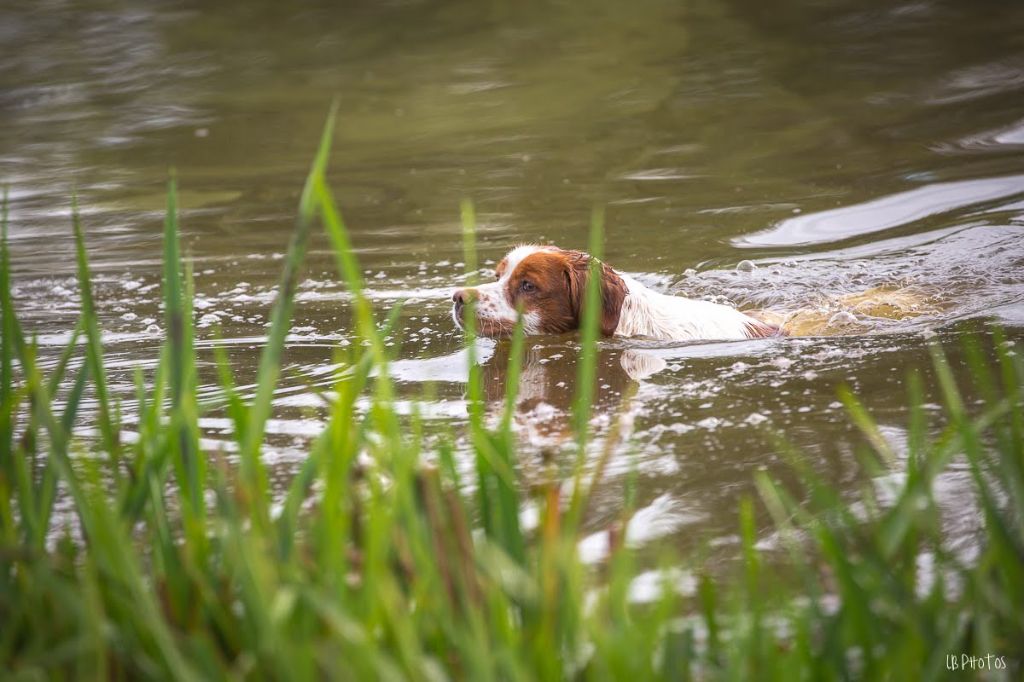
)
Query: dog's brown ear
[
  {"x": 613, "y": 295},
  {"x": 575, "y": 282},
  {"x": 613, "y": 291}
]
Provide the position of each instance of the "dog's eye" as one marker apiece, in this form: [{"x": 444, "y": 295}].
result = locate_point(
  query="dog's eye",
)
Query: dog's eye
[{"x": 528, "y": 286}]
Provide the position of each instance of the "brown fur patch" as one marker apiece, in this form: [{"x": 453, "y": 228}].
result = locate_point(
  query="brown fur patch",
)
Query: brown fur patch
[{"x": 557, "y": 282}]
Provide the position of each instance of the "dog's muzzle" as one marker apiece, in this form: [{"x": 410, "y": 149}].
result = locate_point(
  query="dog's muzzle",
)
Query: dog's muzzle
[{"x": 460, "y": 299}]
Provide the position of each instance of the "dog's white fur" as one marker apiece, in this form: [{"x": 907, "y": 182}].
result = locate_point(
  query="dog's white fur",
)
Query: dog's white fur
[{"x": 674, "y": 318}]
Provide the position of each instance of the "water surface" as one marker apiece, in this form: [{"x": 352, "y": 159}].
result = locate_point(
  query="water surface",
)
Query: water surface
[{"x": 837, "y": 146}]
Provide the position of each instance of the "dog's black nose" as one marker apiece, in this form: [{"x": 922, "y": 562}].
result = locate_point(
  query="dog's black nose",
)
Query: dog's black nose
[{"x": 463, "y": 296}]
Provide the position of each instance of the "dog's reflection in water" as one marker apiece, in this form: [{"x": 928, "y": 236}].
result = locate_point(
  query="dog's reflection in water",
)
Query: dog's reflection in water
[{"x": 548, "y": 386}]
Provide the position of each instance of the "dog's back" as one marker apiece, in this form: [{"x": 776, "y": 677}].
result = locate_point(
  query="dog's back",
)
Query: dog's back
[{"x": 847, "y": 314}]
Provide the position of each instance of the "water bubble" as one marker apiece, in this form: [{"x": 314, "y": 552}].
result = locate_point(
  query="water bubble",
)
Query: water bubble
[
  {"x": 782, "y": 363},
  {"x": 746, "y": 266},
  {"x": 710, "y": 423},
  {"x": 755, "y": 418}
]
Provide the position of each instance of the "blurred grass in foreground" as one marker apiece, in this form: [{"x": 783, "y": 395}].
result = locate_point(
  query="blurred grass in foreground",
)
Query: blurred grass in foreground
[{"x": 379, "y": 565}]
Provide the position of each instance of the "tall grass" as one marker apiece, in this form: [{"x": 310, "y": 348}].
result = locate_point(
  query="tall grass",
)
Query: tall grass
[{"x": 377, "y": 563}]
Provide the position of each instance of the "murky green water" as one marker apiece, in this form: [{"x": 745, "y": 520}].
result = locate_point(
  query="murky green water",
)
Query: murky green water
[{"x": 837, "y": 145}]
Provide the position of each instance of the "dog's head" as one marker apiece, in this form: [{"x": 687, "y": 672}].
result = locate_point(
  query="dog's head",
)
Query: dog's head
[{"x": 549, "y": 285}]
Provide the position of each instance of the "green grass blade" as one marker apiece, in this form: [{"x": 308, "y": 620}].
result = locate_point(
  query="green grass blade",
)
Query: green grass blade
[
  {"x": 57, "y": 376},
  {"x": 94, "y": 350},
  {"x": 6, "y": 311},
  {"x": 280, "y": 320},
  {"x": 179, "y": 356},
  {"x": 8, "y": 334},
  {"x": 586, "y": 371}
]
